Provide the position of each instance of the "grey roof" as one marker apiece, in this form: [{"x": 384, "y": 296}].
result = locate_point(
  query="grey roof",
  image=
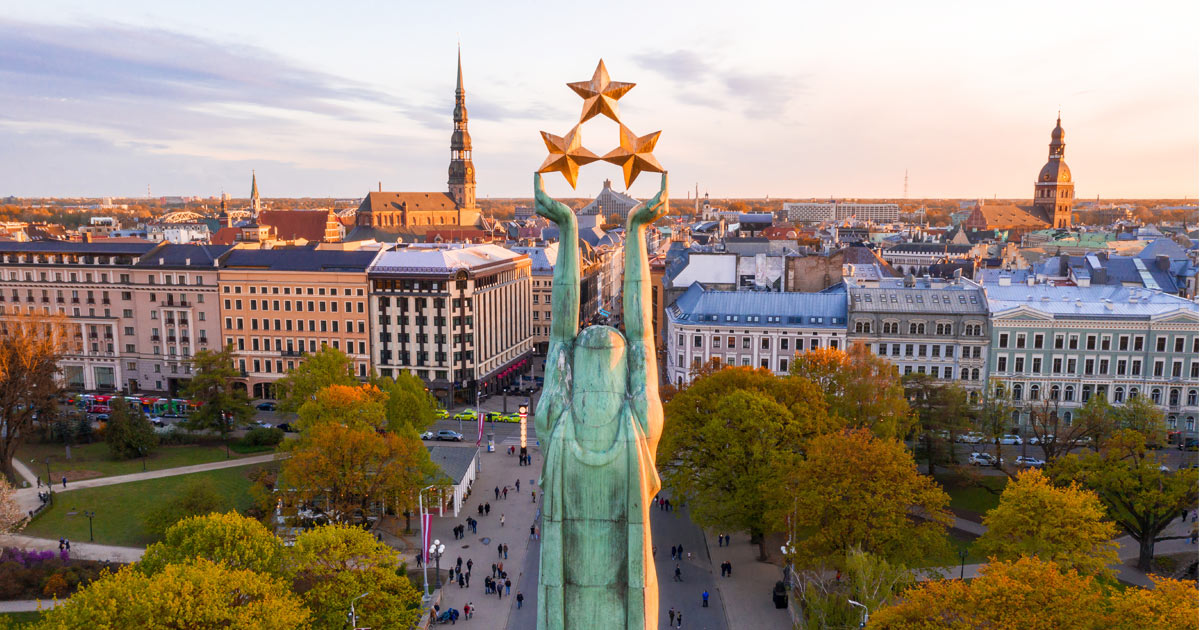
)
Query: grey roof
[
  {"x": 77, "y": 247},
  {"x": 454, "y": 461},
  {"x": 1162, "y": 247},
  {"x": 1064, "y": 302},
  {"x": 184, "y": 255},
  {"x": 700, "y": 305},
  {"x": 542, "y": 257},
  {"x": 368, "y": 233},
  {"x": 301, "y": 259},
  {"x": 593, "y": 236},
  {"x": 929, "y": 248},
  {"x": 441, "y": 258},
  {"x": 755, "y": 218},
  {"x": 891, "y": 296}
]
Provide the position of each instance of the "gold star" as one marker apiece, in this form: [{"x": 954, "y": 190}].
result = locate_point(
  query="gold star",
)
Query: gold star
[
  {"x": 634, "y": 155},
  {"x": 600, "y": 95},
  {"x": 566, "y": 155}
]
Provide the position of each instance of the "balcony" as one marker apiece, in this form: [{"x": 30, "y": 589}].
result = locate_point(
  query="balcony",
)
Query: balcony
[
  {"x": 59, "y": 300},
  {"x": 185, "y": 340},
  {"x": 183, "y": 322},
  {"x": 155, "y": 338},
  {"x": 91, "y": 300},
  {"x": 45, "y": 300},
  {"x": 74, "y": 300},
  {"x": 106, "y": 301},
  {"x": 170, "y": 338}
]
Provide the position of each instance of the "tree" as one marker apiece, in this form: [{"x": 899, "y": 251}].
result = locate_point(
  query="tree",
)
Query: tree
[
  {"x": 222, "y": 405},
  {"x": 854, "y": 490},
  {"x": 1140, "y": 414},
  {"x": 942, "y": 412},
  {"x": 1056, "y": 436},
  {"x": 29, "y": 351},
  {"x": 129, "y": 433},
  {"x": 328, "y": 367},
  {"x": 229, "y": 539},
  {"x": 409, "y": 403},
  {"x": 359, "y": 406},
  {"x": 1026, "y": 594},
  {"x": 994, "y": 415},
  {"x": 349, "y": 469},
  {"x": 727, "y": 441},
  {"x": 333, "y": 564},
  {"x": 868, "y": 580},
  {"x": 1140, "y": 497},
  {"x": 1065, "y": 525},
  {"x": 198, "y": 497},
  {"x": 1170, "y": 604},
  {"x": 860, "y": 387},
  {"x": 11, "y": 516},
  {"x": 198, "y": 595}
]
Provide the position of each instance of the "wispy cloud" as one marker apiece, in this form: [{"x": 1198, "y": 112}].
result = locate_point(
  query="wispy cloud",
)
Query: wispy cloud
[{"x": 758, "y": 93}]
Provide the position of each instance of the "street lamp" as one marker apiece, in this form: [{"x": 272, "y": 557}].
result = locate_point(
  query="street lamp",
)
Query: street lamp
[
  {"x": 962, "y": 568},
  {"x": 436, "y": 550},
  {"x": 353, "y": 615},
  {"x": 90, "y": 516},
  {"x": 142, "y": 452},
  {"x": 866, "y": 614},
  {"x": 424, "y": 532},
  {"x": 523, "y": 410}
]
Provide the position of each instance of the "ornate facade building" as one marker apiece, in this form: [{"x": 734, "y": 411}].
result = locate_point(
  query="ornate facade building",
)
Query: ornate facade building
[
  {"x": 1053, "y": 198},
  {"x": 388, "y": 215}
]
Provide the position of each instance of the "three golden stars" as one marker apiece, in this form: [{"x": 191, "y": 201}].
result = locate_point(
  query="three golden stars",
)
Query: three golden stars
[{"x": 635, "y": 153}]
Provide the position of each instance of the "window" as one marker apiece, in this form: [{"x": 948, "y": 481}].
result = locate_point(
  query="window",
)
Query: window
[
  {"x": 1059, "y": 341},
  {"x": 1069, "y": 393},
  {"x": 1035, "y": 392},
  {"x": 1106, "y": 342},
  {"x": 1017, "y": 391},
  {"x": 1073, "y": 342},
  {"x": 1019, "y": 364},
  {"x": 1020, "y": 341},
  {"x": 1161, "y": 344},
  {"x": 1038, "y": 340},
  {"x": 1135, "y": 367},
  {"x": 1158, "y": 368},
  {"x": 1037, "y": 365},
  {"x": 1191, "y": 398},
  {"x": 1001, "y": 364},
  {"x": 1056, "y": 365},
  {"x": 1103, "y": 367},
  {"x": 1156, "y": 396},
  {"x": 745, "y": 343},
  {"x": 1137, "y": 343},
  {"x": 1119, "y": 394},
  {"x": 862, "y": 326},
  {"x": 765, "y": 344},
  {"x": 1003, "y": 340},
  {"x": 716, "y": 342},
  {"x": 1176, "y": 369},
  {"x": 1179, "y": 344},
  {"x": 1091, "y": 342},
  {"x": 1089, "y": 366}
]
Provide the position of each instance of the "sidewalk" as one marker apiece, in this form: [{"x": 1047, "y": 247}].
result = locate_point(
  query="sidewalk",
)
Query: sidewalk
[
  {"x": 747, "y": 593},
  {"x": 28, "y": 500},
  {"x": 79, "y": 550},
  {"x": 28, "y": 605}
]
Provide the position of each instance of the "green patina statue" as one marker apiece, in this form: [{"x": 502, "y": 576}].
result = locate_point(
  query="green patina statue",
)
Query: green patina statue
[{"x": 599, "y": 420}]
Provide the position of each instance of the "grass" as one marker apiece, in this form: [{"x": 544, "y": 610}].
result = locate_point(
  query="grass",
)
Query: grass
[
  {"x": 20, "y": 619},
  {"x": 89, "y": 461},
  {"x": 121, "y": 508},
  {"x": 974, "y": 496}
]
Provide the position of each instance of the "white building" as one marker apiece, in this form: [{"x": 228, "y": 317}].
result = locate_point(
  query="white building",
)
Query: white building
[{"x": 817, "y": 212}]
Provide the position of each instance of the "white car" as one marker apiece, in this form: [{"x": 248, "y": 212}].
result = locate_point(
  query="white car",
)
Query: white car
[
  {"x": 970, "y": 438},
  {"x": 1010, "y": 440},
  {"x": 1031, "y": 462},
  {"x": 982, "y": 459}
]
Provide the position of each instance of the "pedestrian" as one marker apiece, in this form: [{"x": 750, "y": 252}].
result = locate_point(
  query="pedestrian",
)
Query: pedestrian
[
  {"x": 532, "y": 531},
  {"x": 704, "y": 599},
  {"x": 534, "y": 493},
  {"x": 668, "y": 504},
  {"x": 467, "y": 610},
  {"x": 470, "y": 563},
  {"x": 504, "y": 492},
  {"x": 726, "y": 540},
  {"x": 679, "y": 619},
  {"x": 501, "y": 520},
  {"x": 518, "y": 485},
  {"x": 671, "y": 617},
  {"x": 481, "y": 509},
  {"x": 720, "y": 540},
  {"x": 61, "y": 544},
  {"x": 418, "y": 560},
  {"x": 497, "y": 493},
  {"x": 678, "y": 573},
  {"x": 520, "y": 600},
  {"x": 500, "y": 551},
  {"x": 673, "y": 552},
  {"x": 461, "y": 581},
  {"x": 507, "y": 587},
  {"x": 487, "y": 509},
  {"x": 681, "y": 552},
  {"x": 493, "y": 569},
  {"x": 499, "y": 590},
  {"x": 505, "y": 550},
  {"x": 68, "y": 545},
  {"x": 468, "y": 576},
  {"x": 64, "y": 481}
]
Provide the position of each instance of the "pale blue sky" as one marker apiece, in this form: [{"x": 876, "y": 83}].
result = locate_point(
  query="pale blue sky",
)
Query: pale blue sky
[{"x": 754, "y": 99}]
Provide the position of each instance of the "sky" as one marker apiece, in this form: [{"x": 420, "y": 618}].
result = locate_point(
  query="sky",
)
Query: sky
[{"x": 773, "y": 99}]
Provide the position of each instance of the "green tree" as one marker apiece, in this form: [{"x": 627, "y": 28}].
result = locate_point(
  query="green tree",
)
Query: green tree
[
  {"x": 360, "y": 406},
  {"x": 728, "y": 440},
  {"x": 409, "y": 403},
  {"x": 860, "y": 387},
  {"x": 993, "y": 416},
  {"x": 29, "y": 386},
  {"x": 942, "y": 412},
  {"x": 129, "y": 433},
  {"x": 198, "y": 497},
  {"x": 328, "y": 367},
  {"x": 1140, "y": 497},
  {"x": 222, "y": 405},
  {"x": 854, "y": 490},
  {"x": 198, "y": 595},
  {"x": 864, "y": 578},
  {"x": 1065, "y": 525},
  {"x": 333, "y": 564},
  {"x": 235, "y": 541},
  {"x": 1140, "y": 414}
]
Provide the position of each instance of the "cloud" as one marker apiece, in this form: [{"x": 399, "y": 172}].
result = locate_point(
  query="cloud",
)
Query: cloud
[{"x": 759, "y": 93}]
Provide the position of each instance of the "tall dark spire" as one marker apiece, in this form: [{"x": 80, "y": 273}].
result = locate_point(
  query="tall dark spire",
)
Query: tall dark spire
[
  {"x": 462, "y": 171},
  {"x": 255, "y": 202}
]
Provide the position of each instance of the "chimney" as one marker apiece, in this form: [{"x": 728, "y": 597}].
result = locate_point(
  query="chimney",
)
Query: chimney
[
  {"x": 1163, "y": 262},
  {"x": 381, "y": 186},
  {"x": 87, "y": 237},
  {"x": 187, "y": 261}
]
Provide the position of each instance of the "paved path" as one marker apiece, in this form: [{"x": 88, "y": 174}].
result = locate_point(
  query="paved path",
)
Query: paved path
[
  {"x": 28, "y": 605},
  {"x": 747, "y": 593},
  {"x": 28, "y": 500},
  {"x": 79, "y": 550}
]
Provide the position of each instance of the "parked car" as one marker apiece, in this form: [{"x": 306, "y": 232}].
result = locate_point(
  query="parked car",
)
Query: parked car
[
  {"x": 428, "y": 435},
  {"x": 1010, "y": 440},
  {"x": 971, "y": 438},
  {"x": 265, "y": 406},
  {"x": 1031, "y": 462},
  {"x": 286, "y": 428},
  {"x": 449, "y": 436},
  {"x": 257, "y": 424},
  {"x": 440, "y": 414},
  {"x": 982, "y": 459},
  {"x": 1188, "y": 445},
  {"x": 467, "y": 414}
]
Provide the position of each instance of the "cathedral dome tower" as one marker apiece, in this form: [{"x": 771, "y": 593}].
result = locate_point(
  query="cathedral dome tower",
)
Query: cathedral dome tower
[{"x": 1054, "y": 192}]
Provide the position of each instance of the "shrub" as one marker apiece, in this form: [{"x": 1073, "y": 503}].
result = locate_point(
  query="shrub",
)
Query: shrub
[
  {"x": 56, "y": 586},
  {"x": 198, "y": 497},
  {"x": 262, "y": 437}
]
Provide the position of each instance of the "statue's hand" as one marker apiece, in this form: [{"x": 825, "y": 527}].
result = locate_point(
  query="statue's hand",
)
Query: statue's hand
[
  {"x": 652, "y": 210},
  {"x": 556, "y": 211}
]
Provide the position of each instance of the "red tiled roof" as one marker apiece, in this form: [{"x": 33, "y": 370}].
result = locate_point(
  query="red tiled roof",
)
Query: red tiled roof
[
  {"x": 225, "y": 236},
  {"x": 295, "y": 224},
  {"x": 415, "y": 201}
]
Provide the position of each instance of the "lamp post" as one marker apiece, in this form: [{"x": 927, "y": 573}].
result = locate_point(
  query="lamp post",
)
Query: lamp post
[
  {"x": 436, "y": 550},
  {"x": 49, "y": 483},
  {"x": 866, "y": 613},
  {"x": 142, "y": 452},
  {"x": 90, "y": 516},
  {"x": 523, "y": 410},
  {"x": 353, "y": 615},
  {"x": 424, "y": 534},
  {"x": 962, "y": 567}
]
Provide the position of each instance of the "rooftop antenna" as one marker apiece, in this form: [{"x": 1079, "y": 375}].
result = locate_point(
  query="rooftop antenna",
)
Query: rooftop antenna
[{"x": 906, "y": 183}]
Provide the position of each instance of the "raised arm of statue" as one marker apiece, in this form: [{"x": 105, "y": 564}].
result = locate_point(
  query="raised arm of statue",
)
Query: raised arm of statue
[
  {"x": 565, "y": 295},
  {"x": 639, "y": 326}
]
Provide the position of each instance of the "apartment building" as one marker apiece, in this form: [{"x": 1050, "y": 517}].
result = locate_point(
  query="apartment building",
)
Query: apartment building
[
  {"x": 457, "y": 316},
  {"x": 278, "y": 304}
]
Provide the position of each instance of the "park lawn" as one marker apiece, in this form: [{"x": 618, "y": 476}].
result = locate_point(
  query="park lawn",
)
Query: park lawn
[
  {"x": 20, "y": 619},
  {"x": 975, "y": 497},
  {"x": 121, "y": 508},
  {"x": 89, "y": 461}
]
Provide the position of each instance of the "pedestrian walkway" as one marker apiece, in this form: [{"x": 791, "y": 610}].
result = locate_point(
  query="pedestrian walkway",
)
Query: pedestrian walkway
[
  {"x": 79, "y": 550},
  {"x": 747, "y": 593},
  {"x": 27, "y": 498},
  {"x": 28, "y": 605}
]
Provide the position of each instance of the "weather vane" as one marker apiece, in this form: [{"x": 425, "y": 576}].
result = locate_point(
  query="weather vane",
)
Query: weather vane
[{"x": 634, "y": 154}]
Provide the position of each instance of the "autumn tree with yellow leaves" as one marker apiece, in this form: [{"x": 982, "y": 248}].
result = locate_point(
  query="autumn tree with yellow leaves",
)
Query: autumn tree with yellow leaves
[{"x": 860, "y": 387}]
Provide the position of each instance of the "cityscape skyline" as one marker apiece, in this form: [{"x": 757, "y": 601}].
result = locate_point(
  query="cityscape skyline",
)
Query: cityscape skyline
[{"x": 333, "y": 120}]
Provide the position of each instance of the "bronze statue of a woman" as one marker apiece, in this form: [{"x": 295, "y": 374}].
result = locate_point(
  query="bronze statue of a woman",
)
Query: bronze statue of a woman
[{"x": 599, "y": 420}]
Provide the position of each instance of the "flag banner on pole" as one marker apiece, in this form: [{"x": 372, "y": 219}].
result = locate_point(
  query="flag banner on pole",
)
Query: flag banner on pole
[
  {"x": 426, "y": 519},
  {"x": 479, "y": 440}
]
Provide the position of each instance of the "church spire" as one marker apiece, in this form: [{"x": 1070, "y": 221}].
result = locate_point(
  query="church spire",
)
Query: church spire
[
  {"x": 255, "y": 202},
  {"x": 462, "y": 170}
]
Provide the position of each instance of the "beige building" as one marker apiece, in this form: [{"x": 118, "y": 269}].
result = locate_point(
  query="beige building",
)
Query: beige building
[
  {"x": 456, "y": 316},
  {"x": 277, "y": 304}
]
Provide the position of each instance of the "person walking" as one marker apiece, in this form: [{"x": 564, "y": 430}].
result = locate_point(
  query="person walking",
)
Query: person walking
[
  {"x": 678, "y": 573},
  {"x": 505, "y": 551},
  {"x": 534, "y": 494},
  {"x": 500, "y": 551},
  {"x": 497, "y": 493},
  {"x": 468, "y": 576},
  {"x": 518, "y": 484},
  {"x": 671, "y": 617},
  {"x": 501, "y": 520},
  {"x": 532, "y": 532},
  {"x": 64, "y": 481},
  {"x": 507, "y": 586},
  {"x": 673, "y": 552},
  {"x": 487, "y": 509},
  {"x": 704, "y": 599},
  {"x": 493, "y": 569},
  {"x": 520, "y": 600},
  {"x": 681, "y": 552},
  {"x": 418, "y": 559},
  {"x": 504, "y": 493},
  {"x": 461, "y": 581},
  {"x": 679, "y": 619}
]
